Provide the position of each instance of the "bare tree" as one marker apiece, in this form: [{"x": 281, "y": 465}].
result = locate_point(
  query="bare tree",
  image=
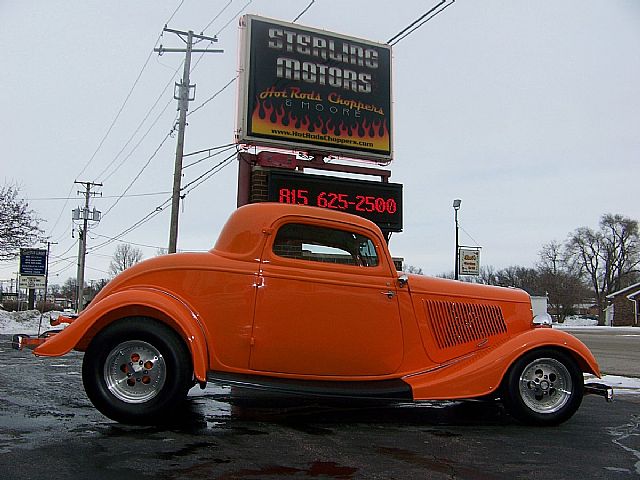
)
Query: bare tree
[
  {"x": 561, "y": 280},
  {"x": 411, "y": 269},
  {"x": 124, "y": 257},
  {"x": 19, "y": 225},
  {"x": 609, "y": 257}
]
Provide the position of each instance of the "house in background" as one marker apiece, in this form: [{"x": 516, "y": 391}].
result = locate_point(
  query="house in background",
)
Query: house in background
[{"x": 624, "y": 307}]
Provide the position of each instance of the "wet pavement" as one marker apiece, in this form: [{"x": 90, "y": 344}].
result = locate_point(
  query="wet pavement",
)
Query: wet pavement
[{"x": 50, "y": 430}]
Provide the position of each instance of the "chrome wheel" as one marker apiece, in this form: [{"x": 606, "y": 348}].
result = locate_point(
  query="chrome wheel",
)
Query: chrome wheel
[
  {"x": 135, "y": 371},
  {"x": 545, "y": 385}
]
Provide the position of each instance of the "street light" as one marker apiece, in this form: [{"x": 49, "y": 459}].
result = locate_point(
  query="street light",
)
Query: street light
[{"x": 456, "y": 207}]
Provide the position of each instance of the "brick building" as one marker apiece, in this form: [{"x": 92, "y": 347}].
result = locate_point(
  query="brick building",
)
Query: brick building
[{"x": 624, "y": 307}]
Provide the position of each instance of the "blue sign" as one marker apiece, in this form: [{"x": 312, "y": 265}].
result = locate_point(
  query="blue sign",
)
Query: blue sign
[{"x": 33, "y": 261}]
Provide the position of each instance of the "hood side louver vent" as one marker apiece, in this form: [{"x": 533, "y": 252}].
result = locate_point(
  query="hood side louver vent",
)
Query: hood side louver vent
[{"x": 459, "y": 323}]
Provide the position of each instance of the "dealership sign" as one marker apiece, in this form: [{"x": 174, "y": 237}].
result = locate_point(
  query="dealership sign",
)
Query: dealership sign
[{"x": 312, "y": 90}]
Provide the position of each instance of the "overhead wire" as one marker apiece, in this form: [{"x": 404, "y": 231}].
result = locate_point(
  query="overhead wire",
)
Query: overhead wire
[
  {"x": 213, "y": 96},
  {"x": 303, "y": 11},
  {"x": 135, "y": 83},
  {"x": 130, "y": 243},
  {"x": 185, "y": 187},
  {"x": 249, "y": 2},
  {"x": 221, "y": 150},
  {"x": 135, "y": 225},
  {"x": 138, "y": 129},
  {"x": 420, "y": 21},
  {"x": 216, "y": 168},
  {"x": 217, "y": 16},
  {"x": 148, "y": 194},
  {"x": 153, "y": 155}
]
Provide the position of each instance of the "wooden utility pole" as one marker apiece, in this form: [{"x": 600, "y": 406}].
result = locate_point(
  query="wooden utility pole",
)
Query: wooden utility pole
[
  {"x": 85, "y": 215},
  {"x": 183, "y": 98}
]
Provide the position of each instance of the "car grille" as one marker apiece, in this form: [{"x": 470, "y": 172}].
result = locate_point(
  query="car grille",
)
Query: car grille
[{"x": 458, "y": 323}]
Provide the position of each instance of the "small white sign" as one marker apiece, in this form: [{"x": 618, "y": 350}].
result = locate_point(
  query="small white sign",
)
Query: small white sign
[
  {"x": 469, "y": 262},
  {"x": 32, "y": 281}
]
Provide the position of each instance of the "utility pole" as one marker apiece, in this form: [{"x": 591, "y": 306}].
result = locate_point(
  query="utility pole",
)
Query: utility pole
[
  {"x": 85, "y": 215},
  {"x": 183, "y": 98}
]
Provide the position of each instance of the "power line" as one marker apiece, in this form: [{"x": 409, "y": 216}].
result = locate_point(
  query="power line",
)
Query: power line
[
  {"x": 208, "y": 149},
  {"x": 213, "y": 96},
  {"x": 128, "y": 242},
  {"x": 233, "y": 18},
  {"x": 224, "y": 149},
  {"x": 137, "y": 224},
  {"x": 171, "y": 80},
  {"x": 219, "y": 32},
  {"x": 201, "y": 179},
  {"x": 236, "y": 77},
  {"x": 135, "y": 83},
  {"x": 304, "y": 11},
  {"x": 173, "y": 14},
  {"x": 218, "y": 15},
  {"x": 149, "y": 194},
  {"x": 139, "y": 173},
  {"x": 421, "y": 20},
  {"x": 209, "y": 171}
]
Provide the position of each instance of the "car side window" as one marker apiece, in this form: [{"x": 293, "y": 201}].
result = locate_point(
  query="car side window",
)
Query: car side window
[{"x": 322, "y": 244}]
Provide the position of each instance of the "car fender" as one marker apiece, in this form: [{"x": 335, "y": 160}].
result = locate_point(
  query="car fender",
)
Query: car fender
[
  {"x": 142, "y": 301},
  {"x": 481, "y": 373}
]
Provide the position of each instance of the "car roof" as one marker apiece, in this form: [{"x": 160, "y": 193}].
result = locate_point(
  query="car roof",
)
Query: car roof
[{"x": 242, "y": 234}]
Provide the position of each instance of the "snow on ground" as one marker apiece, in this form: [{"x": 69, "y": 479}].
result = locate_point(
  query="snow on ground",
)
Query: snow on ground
[
  {"x": 24, "y": 322},
  {"x": 578, "y": 321},
  {"x": 621, "y": 385}
]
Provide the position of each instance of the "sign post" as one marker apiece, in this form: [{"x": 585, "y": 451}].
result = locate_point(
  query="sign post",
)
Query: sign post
[{"x": 33, "y": 271}]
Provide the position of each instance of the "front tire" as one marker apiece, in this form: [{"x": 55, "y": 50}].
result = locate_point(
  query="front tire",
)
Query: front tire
[
  {"x": 136, "y": 371},
  {"x": 544, "y": 387}
]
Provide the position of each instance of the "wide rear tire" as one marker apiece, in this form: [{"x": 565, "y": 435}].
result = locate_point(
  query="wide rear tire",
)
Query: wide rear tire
[
  {"x": 137, "y": 371},
  {"x": 543, "y": 387}
]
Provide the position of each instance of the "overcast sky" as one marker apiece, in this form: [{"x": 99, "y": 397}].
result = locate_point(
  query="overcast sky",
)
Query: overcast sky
[{"x": 527, "y": 111}]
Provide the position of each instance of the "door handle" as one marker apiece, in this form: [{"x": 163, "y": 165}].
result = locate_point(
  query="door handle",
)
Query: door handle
[{"x": 389, "y": 294}]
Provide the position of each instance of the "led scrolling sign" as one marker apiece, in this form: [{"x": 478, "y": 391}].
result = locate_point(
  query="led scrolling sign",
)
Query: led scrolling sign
[{"x": 377, "y": 201}]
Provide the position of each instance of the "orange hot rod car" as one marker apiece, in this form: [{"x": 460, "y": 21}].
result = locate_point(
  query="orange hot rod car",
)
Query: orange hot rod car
[{"x": 307, "y": 300}]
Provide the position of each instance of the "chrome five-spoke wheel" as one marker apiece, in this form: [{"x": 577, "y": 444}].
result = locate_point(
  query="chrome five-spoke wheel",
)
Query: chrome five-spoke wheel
[
  {"x": 545, "y": 385},
  {"x": 135, "y": 371}
]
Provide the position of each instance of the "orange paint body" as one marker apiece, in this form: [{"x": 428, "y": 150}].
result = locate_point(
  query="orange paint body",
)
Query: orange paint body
[{"x": 242, "y": 308}]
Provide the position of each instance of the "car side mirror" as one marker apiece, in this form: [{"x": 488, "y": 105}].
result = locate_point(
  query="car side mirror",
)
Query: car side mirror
[{"x": 403, "y": 280}]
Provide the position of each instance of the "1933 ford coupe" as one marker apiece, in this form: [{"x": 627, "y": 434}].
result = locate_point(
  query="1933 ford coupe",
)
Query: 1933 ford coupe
[{"x": 307, "y": 300}]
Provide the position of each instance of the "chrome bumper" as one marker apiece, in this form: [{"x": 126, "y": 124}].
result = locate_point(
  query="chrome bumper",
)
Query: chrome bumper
[{"x": 599, "y": 389}]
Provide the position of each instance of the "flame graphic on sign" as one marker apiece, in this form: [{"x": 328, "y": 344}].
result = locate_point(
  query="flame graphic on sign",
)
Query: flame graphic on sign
[{"x": 276, "y": 121}]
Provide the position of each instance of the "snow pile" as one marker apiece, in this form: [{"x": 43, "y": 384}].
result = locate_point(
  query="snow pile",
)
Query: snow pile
[
  {"x": 578, "y": 321},
  {"x": 24, "y": 322}
]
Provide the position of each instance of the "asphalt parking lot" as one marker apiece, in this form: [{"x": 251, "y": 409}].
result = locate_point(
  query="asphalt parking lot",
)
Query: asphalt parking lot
[{"x": 49, "y": 430}]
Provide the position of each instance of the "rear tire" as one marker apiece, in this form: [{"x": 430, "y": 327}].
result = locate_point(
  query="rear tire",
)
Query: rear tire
[
  {"x": 137, "y": 370},
  {"x": 543, "y": 387}
]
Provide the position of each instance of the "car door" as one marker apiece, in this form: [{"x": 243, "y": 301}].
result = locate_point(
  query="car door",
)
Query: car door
[{"x": 326, "y": 304}]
